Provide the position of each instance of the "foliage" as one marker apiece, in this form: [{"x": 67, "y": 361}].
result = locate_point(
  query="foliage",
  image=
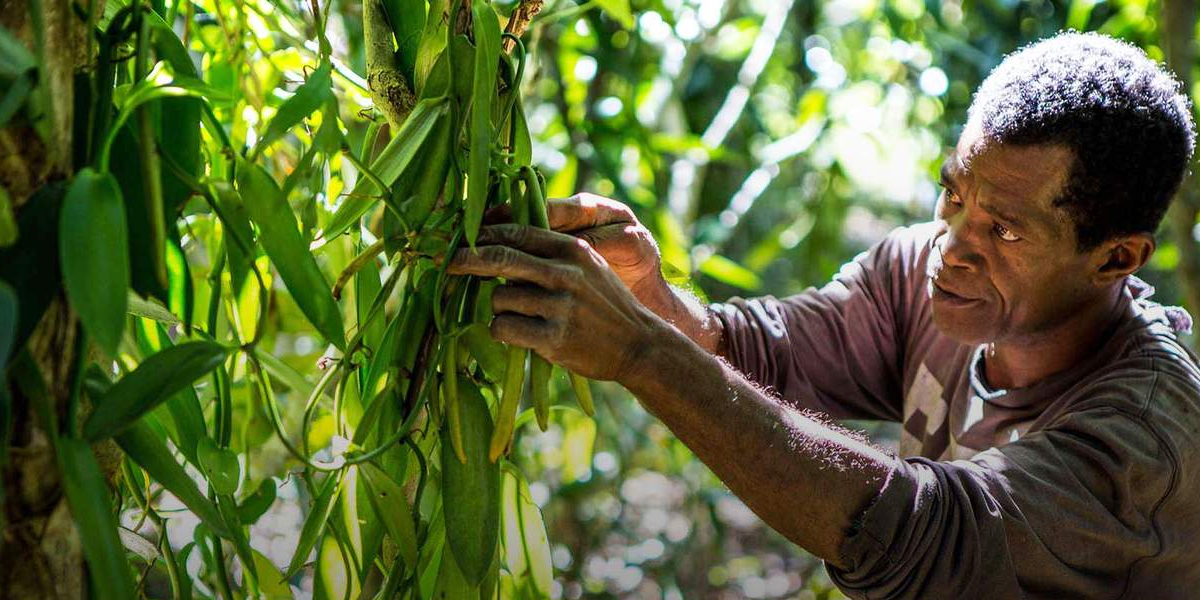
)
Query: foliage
[{"x": 233, "y": 162}]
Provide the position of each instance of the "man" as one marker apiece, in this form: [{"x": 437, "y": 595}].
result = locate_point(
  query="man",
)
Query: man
[{"x": 1050, "y": 416}]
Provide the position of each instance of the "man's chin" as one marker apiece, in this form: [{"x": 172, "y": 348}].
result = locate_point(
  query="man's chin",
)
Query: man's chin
[{"x": 967, "y": 327}]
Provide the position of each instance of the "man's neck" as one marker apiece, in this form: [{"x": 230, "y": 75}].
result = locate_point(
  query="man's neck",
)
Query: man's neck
[{"x": 1018, "y": 364}]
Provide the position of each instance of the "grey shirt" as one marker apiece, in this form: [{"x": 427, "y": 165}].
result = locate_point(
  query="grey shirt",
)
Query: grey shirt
[{"x": 1083, "y": 485}]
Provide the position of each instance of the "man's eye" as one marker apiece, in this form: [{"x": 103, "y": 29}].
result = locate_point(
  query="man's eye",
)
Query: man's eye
[
  {"x": 1005, "y": 233},
  {"x": 951, "y": 196}
]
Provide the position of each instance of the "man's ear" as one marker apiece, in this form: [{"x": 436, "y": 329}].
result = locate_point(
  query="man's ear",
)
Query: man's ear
[{"x": 1122, "y": 256}]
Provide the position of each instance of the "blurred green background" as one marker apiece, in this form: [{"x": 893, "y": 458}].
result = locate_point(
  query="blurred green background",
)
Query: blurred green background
[{"x": 764, "y": 142}]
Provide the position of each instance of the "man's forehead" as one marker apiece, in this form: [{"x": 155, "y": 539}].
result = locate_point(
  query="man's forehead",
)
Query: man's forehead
[
  {"x": 1024, "y": 178},
  {"x": 1026, "y": 169}
]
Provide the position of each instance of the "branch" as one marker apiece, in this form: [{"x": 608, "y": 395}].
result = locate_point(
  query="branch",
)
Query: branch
[
  {"x": 522, "y": 15},
  {"x": 390, "y": 90},
  {"x": 1179, "y": 19}
]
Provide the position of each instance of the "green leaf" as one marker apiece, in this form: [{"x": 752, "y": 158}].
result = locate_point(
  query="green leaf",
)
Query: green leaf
[
  {"x": 93, "y": 247},
  {"x": 270, "y": 582},
  {"x": 146, "y": 447},
  {"x": 281, "y": 239},
  {"x": 258, "y": 503},
  {"x": 15, "y": 59},
  {"x": 429, "y": 50},
  {"x": 619, "y": 10},
  {"x": 396, "y": 157},
  {"x": 314, "y": 92},
  {"x": 314, "y": 525},
  {"x": 452, "y": 583},
  {"x": 488, "y": 352},
  {"x": 8, "y": 219},
  {"x": 579, "y": 439},
  {"x": 389, "y": 503},
  {"x": 293, "y": 379},
  {"x": 155, "y": 380},
  {"x": 150, "y": 309},
  {"x": 88, "y": 496},
  {"x": 220, "y": 466},
  {"x": 407, "y": 18},
  {"x": 35, "y": 280},
  {"x": 471, "y": 491},
  {"x": 139, "y": 545},
  {"x": 726, "y": 271},
  {"x": 525, "y": 540},
  {"x": 483, "y": 93}
]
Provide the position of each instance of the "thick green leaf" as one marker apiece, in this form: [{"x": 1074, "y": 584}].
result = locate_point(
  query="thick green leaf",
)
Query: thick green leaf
[
  {"x": 407, "y": 18},
  {"x": 396, "y": 157},
  {"x": 255, "y": 505},
  {"x": 489, "y": 353},
  {"x": 220, "y": 466},
  {"x": 238, "y": 236},
  {"x": 15, "y": 59},
  {"x": 155, "y": 380},
  {"x": 433, "y": 41},
  {"x": 314, "y": 92},
  {"x": 25, "y": 267},
  {"x": 294, "y": 262},
  {"x": 314, "y": 525},
  {"x": 8, "y": 219},
  {"x": 471, "y": 491},
  {"x": 527, "y": 549},
  {"x": 146, "y": 447},
  {"x": 452, "y": 583},
  {"x": 150, "y": 309},
  {"x": 88, "y": 496},
  {"x": 390, "y": 504},
  {"x": 270, "y": 582},
  {"x": 94, "y": 250},
  {"x": 483, "y": 93}
]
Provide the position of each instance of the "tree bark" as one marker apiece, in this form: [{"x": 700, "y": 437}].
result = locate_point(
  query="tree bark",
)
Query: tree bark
[
  {"x": 1178, "y": 23},
  {"x": 40, "y": 552}
]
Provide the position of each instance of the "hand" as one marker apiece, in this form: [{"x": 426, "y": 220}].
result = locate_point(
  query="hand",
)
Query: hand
[
  {"x": 561, "y": 300},
  {"x": 615, "y": 233}
]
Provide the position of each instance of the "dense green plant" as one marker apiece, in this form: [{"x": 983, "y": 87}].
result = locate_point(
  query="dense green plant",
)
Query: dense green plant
[
  {"x": 763, "y": 142},
  {"x": 401, "y": 439}
]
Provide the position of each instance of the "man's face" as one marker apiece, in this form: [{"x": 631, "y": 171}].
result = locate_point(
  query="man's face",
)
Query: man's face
[{"x": 1005, "y": 266}]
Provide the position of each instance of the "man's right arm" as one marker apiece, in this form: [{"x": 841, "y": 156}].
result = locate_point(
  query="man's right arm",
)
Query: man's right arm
[{"x": 835, "y": 349}]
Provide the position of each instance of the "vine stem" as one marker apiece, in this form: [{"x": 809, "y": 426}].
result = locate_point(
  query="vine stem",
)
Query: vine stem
[
  {"x": 521, "y": 17},
  {"x": 355, "y": 265}
]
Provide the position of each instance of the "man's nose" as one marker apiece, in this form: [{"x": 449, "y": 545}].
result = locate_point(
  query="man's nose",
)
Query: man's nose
[{"x": 958, "y": 245}]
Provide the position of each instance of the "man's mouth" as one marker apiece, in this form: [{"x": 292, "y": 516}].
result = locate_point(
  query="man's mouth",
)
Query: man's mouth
[{"x": 941, "y": 294}]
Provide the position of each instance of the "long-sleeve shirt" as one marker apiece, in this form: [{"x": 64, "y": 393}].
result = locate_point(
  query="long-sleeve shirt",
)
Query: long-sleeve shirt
[{"x": 1085, "y": 484}]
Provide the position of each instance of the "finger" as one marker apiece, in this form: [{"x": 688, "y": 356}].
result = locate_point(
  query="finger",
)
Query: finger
[
  {"x": 618, "y": 242},
  {"x": 584, "y": 211},
  {"x": 507, "y": 262},
  {"x": 519, "y": 330},
  {"x": 527, "y": 300},
  {"x": 535, "y": 241}
]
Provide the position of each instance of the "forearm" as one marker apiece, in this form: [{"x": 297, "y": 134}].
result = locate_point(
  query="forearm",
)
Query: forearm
[
  {"x": 683, "y": 310},
  {"x": 804, "y": 479}
]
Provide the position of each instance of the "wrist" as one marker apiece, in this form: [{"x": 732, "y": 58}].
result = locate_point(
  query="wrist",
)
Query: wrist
[{"x": 660, "y": 351}]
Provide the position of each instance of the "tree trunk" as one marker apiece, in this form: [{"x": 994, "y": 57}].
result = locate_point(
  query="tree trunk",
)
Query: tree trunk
[
  {"x": 40, "y": 552},
  {"x": 1178, "y": 22}
]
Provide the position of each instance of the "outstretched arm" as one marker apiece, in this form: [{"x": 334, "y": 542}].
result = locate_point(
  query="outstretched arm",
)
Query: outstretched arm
[{"x": 805, "y": 479}]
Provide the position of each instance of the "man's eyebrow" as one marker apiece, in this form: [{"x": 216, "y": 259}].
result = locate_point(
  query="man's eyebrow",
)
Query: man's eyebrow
[
  {"x": 1002, "y": 214},
  {"x": 946, "y": 173}
]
